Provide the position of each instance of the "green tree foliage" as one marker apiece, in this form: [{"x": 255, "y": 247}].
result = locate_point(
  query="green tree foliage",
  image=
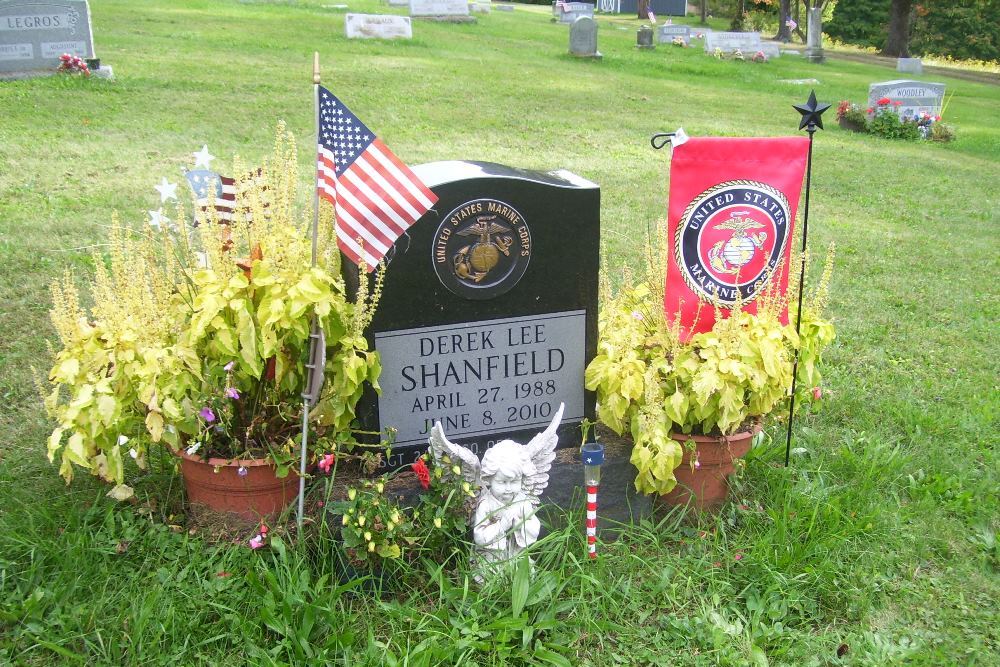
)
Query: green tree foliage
[
  {"x": 861, "y": 22},
  {"x": 957, "y": 28}
]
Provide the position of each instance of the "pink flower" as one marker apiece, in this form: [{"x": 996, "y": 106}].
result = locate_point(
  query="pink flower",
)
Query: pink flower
[
  {"x": 738, "y": 557},
  {"x": 242, "y": 471},
  {"x": 817, "y": 393},
  {"x": 207, "y": 414},
  {"x": 263, "y": 528},
  {"x": 636, "y": 315},
  {"x": 232, "y": 393},
  {"x": 228, "y": 367},
  {"x": 256, "y": 542},
  {"x": 326, "y": 462},
  {"x": 897, "y": 103},
  {"x": 697, "y": 463}
]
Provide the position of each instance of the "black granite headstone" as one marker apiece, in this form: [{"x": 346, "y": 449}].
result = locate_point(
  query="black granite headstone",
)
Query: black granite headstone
[{"x": 488, "y": 315}]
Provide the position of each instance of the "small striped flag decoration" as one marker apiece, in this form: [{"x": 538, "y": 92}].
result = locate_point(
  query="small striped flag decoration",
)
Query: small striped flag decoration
[
  {"x": 376, "y": 196},
  {"x": 592, "y": 520},
  {"x": 218, "y": 191}
]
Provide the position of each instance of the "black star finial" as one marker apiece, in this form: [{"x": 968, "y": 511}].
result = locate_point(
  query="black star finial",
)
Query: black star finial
[{"x": 811, "y": 113}]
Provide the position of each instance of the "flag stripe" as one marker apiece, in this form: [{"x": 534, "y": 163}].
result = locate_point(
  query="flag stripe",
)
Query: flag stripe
[
  {"x": 368, "y": 172},
  {"x": 373, "y": 200},
  {"x": 376, "y": 197},
  {"x": 403, "y": 174}
]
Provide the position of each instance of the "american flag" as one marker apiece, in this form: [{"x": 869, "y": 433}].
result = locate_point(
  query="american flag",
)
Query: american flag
[
  {"x": 376, "y": 196},
  {"x": 211, "y": 189}
]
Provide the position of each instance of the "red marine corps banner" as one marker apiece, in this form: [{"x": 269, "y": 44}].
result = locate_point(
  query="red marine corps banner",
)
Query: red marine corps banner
[{"x": 730, "y": 219}]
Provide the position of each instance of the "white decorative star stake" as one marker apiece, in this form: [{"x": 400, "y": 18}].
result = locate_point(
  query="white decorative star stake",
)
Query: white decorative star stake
[
  {"x": 166, "y": 190},
  {"x": 203, "y": 158},
  {"x": 156, "y": 218}
]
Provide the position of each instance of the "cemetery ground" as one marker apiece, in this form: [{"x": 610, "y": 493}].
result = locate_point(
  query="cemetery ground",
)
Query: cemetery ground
[{"x": 877, "y": 545}]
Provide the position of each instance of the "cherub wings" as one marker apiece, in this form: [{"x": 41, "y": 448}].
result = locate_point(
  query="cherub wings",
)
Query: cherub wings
[
  {"x": 447, "y": 453},
  {"x": 541, "y": 450}
]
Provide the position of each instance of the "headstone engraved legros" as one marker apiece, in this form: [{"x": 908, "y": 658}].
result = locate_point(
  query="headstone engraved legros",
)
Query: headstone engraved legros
[
  {"x": 376, "y": 26},
  {"x": 583, "y": 38},
  {"x": 916, "y": 96},
  {"x": 33, "y": 34},
  {"x": 488, "y": 314}
]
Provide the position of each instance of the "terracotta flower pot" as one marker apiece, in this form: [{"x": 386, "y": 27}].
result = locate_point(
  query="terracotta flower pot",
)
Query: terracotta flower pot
[
  {"x": 218, "y": 485},
  {"x": 707, "y": 487}
]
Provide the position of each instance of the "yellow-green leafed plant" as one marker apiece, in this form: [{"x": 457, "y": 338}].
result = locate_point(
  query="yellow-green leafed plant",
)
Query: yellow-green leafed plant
[
  {"x": 651, "y": 384},
  {"x": 198, "y": 336}
]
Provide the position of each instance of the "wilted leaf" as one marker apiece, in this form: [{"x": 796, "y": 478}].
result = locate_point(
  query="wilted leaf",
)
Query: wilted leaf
[{"x": 121, "y": 492}]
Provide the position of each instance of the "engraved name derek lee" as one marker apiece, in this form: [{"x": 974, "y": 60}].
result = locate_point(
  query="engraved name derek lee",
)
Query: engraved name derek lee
[{"x": 436, "y": 383}]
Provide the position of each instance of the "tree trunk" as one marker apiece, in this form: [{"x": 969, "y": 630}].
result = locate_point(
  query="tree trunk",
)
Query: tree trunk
[
  {"x": 898, "y": 42},
  {"x": 704, "y": 12},
  {"x": 784, "y": 13},
  {"x": 642, "y": 9}
]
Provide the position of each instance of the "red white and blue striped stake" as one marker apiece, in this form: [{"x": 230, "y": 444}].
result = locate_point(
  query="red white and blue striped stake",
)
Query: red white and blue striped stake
[{"x": 592, "y": 454}]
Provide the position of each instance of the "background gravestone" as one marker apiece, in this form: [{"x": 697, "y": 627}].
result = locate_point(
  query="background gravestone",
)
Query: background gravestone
[
  {"x": 916, "y": 96},
  {"x": 377, "y": 26},
  {"x": 488, "y": 314},
  {"x": 583, "y": 38},
  {"x": 910, "y": 65},
  {"x": 568, "y": 12},
  {"x": 747, "y": 42},
  {"x": 34, "y": 33},
  {"x": 667, "y": 33},
  {"x": 456, "y": 11}
]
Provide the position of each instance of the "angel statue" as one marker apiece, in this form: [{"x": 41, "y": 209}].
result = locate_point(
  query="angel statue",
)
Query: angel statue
[{"x": 510, "y": 478}]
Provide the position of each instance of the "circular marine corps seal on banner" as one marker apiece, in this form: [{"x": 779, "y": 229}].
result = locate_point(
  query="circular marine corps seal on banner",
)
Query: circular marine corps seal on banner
[
  {"x": 731, "y": 239},
  {"x": 481, "y": 249}
]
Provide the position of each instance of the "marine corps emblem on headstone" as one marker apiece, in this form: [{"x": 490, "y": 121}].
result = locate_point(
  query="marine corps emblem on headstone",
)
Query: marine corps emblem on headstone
[
  {"x": 731, "y": 239},
  {"x": 481, "y": 249}
]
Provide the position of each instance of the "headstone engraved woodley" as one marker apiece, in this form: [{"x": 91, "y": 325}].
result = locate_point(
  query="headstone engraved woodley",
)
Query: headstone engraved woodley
[
  {"x": 488, "y": 314},
  {"x": 378, "y": 26},
  {"x": 33, "y": 34},
  {"x": 916, "y": 96},
  {"x": 583, "y": 38}
]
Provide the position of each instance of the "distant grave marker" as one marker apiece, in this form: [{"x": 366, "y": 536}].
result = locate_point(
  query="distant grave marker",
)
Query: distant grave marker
[
  {"x": 377, "y": 26},
  {"x": 667, "y": 33},
  {"x": 567, "y": 12},
  {"x": 910, "y": 65},
  {"x": 583, "y": 38},
  {"x": 728, "y": 42},
  {"x": 456, "y": 11},
  {"x": 33, "y": 34}
]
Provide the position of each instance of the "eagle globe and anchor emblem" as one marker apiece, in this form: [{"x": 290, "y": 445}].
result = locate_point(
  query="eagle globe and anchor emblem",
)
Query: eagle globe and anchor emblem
[
  {"x": 481, "y": 249},
  {"x": 731, "y": 239},
  {"x": 729, "y": 256},
  {"x": 474, "y": 262}
]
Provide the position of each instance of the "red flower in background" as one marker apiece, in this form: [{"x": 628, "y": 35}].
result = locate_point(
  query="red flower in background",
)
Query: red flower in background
[
  {"x": 883, "y": 101},
  {"x": 422, "y": 472}
]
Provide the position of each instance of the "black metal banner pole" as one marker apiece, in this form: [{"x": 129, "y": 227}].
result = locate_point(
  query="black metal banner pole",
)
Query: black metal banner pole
[{"x": 811, "y": 121}]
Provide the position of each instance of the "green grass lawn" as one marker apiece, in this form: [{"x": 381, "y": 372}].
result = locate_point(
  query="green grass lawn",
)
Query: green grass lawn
[{"x": 881, "y": 538}]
